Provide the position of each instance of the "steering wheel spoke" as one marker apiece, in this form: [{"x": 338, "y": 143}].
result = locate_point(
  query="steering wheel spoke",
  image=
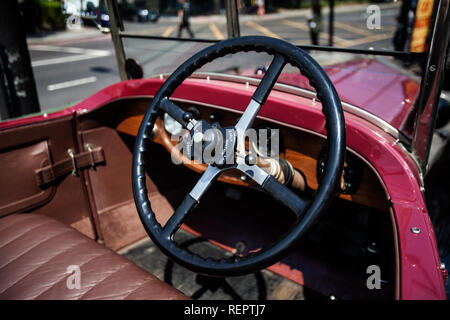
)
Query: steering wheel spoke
[
  {"x": 286, "y": 196},
  {"x": 253, "y": 171},
  {"x": 270, "y": 78},
  {"x": 275, "y": 188},
  {"x": 258, "y": 99},
  {"x": 175, "y": 221},
  {"x": 261, "y": 93},
  {"x": 208, "y": 177},
  {"x": 185, "y": 118},
  {"x": 190, "y": 201}
]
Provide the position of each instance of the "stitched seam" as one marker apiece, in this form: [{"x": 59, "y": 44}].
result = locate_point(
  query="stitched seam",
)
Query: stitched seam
[
  {"x": 117, "y": 296},
  {"x": 93, "y": 286},
  {"x": 29, "y": 249},
  {"x": 138, "y": 287},
  {"x": 98, "y": 283},
  {"x": 41, "y": 265},
  {"x": 24, "y": 233},
  {"x": 26, "y": 217},
  {"x": 64, "y": 277}
]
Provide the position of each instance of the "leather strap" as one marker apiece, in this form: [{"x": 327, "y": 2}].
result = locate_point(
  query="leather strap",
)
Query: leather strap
[{"x": 84, "y": 159}]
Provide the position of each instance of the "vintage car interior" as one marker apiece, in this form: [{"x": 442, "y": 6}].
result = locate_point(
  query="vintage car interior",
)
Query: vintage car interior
[{"x": 90, "y": 184}]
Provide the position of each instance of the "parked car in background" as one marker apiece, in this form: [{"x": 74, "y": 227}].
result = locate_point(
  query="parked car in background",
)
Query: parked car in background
[{"x": 132, "y": 13}]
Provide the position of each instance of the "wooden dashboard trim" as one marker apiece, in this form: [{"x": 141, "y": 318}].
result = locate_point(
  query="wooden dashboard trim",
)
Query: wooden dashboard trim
[{"x": 369, "y": 196}]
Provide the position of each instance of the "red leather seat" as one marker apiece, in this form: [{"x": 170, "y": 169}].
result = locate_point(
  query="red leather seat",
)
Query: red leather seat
[{"x": 36, "y": 252}]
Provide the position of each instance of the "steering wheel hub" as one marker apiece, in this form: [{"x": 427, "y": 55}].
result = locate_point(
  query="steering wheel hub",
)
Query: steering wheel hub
[{"x": 211, "y": 144}]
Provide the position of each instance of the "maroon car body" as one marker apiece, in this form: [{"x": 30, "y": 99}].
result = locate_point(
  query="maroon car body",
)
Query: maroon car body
[
  {"x": 418, "y": 265},
  {"x": 386, "y": 114}
]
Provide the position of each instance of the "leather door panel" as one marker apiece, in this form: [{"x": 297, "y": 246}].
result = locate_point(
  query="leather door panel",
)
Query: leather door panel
[
  {"x": 69, "y": 202},
  {"x": 18, "y": 188}
]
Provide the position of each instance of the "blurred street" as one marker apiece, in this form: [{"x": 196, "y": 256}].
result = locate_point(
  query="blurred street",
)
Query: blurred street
[
  {"x": 291, "y": 25},
  {"x": 72, "y": 65},
  {"x": 68, "y": 71}
]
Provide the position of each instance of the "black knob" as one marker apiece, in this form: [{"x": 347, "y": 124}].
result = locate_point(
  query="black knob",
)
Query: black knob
[
  {"x": 250, "y": 159},
  {"x": 215, "y": 117},
  {"x": 188, "y": 116},
  {"x": 195, "y": 112}
]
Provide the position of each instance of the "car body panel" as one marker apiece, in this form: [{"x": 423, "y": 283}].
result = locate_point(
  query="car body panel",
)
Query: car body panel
[
  {"x": 374, "y": 85},
  {"x": 418, "y": 265}
]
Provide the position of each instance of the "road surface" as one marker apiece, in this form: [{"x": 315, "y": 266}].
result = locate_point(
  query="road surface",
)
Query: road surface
[{"x": 69, "y": 70}]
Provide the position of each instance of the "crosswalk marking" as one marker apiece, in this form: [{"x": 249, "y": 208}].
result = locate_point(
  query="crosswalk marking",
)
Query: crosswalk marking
[
  {"x": 341, "y": 42},
  {"x": 216, "y": 31},
  {"x": 298, "y": 25},
  {"x": 262, "y": 29},
  {"x": 352, "y": 29},
  {"x": 168, "y": 31},
  {"x": 375, "y": 37},
  {"x": 323, "y": 35},
  {"x": 79, "y": 54},
  {"x": 72, "y": 83}
]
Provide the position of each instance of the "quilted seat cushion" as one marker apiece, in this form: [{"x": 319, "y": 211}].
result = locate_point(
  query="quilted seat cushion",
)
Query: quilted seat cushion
[{"x": 39, "y": 254}]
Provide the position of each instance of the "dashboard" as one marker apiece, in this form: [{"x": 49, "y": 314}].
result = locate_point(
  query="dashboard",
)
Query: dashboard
[{"x": 304, "y": 151}]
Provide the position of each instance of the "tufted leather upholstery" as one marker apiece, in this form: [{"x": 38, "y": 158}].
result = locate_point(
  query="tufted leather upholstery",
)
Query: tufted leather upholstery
[{"x": 35, "y": 252}]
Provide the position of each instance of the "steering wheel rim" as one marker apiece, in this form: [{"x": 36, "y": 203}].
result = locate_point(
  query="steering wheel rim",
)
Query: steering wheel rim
[{"x": 335, "y": 127}]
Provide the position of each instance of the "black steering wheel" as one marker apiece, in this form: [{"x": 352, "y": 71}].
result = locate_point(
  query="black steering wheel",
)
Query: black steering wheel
[{"x": 307, "y": 211}]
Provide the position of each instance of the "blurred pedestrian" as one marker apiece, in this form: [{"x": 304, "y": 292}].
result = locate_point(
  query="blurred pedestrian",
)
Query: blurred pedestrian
[
  {"x": 315, "y": 22},
  {"x": 261, "y": 8},
  {"x": 183, "y": 18}
]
